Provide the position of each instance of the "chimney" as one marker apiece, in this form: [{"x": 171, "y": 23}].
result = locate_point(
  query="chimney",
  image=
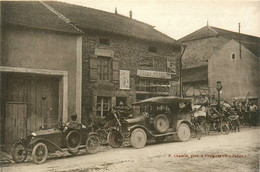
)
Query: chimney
[
  {"x": 115, "y": 10},
  {"x": 130, "y": 14}
]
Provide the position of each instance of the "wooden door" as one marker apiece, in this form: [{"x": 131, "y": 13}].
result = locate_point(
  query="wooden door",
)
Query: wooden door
[
  {"x": 15, "y": 122},
  {"x": 44, "y": 102},
  {"x": 16, "y": 105},
  {"x": 31, "y": 101}
]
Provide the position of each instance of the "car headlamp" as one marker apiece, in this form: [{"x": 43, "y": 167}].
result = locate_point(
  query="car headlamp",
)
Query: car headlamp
[{"x": 33, "y": 134}]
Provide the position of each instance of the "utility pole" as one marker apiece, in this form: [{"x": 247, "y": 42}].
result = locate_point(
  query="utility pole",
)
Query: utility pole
[
  {"x": 183, "y": 48},
  {"x": 239, "y": 41}
]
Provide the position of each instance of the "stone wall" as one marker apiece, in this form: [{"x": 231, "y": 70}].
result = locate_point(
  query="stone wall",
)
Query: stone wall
[
  {"x": 199, "y": 51},
  {"x": 128, "y": 53}
]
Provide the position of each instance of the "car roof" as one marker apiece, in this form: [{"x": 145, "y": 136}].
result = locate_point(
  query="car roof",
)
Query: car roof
[{"x": 163, "y": 100}]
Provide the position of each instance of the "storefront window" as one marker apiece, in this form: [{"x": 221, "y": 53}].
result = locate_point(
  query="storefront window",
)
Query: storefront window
[
  {"x": 103, "y": 105},
  {"x": 152, "y": 85}
]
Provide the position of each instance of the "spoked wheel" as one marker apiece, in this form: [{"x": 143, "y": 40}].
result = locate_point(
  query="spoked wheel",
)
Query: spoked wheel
[
  {"x": 115, "y": 139},
  {"x": 138, "y": 138},
  {"x": 183, "y": 132},
  {"x": 92, "y": 144},
  {"x": 40, "y": 153},
  {"x": 224, "y": 128},
  {"x": 73, "y": 140},
  {"x": 159, "y": 139},
  {"x": 19, "y": 153}
]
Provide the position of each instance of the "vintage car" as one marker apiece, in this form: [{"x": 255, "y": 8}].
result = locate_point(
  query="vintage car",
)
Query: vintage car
[
  {"x": 62, "y": 138},
  {"x": 154, "y": 118}
]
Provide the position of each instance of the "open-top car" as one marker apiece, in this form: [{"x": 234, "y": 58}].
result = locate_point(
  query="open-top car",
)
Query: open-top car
[
  {"x": 62, "y": 138},
  {"x": 154, "y": 118}
]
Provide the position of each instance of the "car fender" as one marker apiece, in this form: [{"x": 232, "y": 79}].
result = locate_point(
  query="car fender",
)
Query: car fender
[
  {"x": 148, "y": 133},
  {"x": 183, "y": 121},
  {"x": 46, "y": 141}
]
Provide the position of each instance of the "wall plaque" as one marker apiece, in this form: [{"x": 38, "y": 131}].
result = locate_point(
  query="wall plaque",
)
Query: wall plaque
[{"x": 124, "y": 79}]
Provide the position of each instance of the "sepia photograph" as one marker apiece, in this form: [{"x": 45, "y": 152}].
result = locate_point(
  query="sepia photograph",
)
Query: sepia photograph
[{"x": 129, "y": 86}]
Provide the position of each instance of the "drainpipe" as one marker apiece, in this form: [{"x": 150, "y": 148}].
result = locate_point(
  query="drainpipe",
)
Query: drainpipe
[
  {"x": 239, "y": 41},
  {"x": 183, "y": 48}
]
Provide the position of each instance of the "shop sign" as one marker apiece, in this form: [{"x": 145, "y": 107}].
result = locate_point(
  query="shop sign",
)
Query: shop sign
[
  {"x": 124, "y": 79},
  {"x": 153, "y": 74}
]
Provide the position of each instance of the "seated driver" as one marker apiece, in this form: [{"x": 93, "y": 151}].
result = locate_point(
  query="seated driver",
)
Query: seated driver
[{"x": 73, "y": 124}]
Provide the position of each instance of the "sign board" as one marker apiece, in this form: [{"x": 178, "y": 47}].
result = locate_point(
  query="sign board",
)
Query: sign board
[
  {"x": 124, "y": 79},
  {"x": 153, "y": 74},
  {"x": 104, "y": 52}
]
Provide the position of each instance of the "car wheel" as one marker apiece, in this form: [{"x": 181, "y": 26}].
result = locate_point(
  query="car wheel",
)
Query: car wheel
[
  {"x": 138, "y": 138},
  {"x": 92, "y": 144},
  {"x": 224, "y": 128},
  {"x": 183, "y": 132},
  {"x": 19, "y": 153},
  {"x": 40, "y": 153},
  {"x": 115, "y": 139},
  {"x": 161, "y": 123},
  {"x": 159, "y": 139},
  {"x": 73, "y": 140}
]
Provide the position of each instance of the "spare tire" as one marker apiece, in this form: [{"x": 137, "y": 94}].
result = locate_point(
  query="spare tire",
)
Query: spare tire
[{"x": 161, "y": 123}]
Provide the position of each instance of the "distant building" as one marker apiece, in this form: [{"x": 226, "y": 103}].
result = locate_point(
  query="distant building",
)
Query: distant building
[
  {"x": 40, "y": 69},
  {"x": 123, "y": 60},
  {"x": 214, "y": 54}
]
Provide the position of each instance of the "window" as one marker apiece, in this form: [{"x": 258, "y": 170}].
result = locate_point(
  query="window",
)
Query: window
[
  {"x": 104, "y": 68},
  {"x": 104, "y": 41},
  {"x": 103, "y": 105},
  {"x": 152, "y": 49},
  {"x": 233, "y": 56},
  {"x": 152, "y": 85}
]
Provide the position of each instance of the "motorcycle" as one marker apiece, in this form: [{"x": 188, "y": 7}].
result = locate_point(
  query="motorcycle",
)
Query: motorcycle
[{"x": 216, "y": 121}]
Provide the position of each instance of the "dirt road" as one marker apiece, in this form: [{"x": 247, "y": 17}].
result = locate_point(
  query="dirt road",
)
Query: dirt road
[{"x": 233, "y": 152}]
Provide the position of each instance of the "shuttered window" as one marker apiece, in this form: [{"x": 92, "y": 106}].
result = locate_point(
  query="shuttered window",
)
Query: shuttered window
[{"x": 103, "y": 68}]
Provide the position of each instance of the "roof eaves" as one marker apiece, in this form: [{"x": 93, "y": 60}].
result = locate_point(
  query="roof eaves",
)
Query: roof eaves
[
  {"x": 61, "y": 16},
  {"x": 128, "y": 35},
  {"x": 42, "y": 28}
]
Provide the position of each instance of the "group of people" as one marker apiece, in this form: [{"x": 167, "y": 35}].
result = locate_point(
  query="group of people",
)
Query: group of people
[{"x": 247, "y": 111}]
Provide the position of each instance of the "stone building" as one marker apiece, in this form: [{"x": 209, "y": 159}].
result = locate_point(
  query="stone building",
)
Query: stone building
[
  {"x": 40, "y": 69},
  {"x": 123, "y": 60},
  {"x": 215, "y": 54}
]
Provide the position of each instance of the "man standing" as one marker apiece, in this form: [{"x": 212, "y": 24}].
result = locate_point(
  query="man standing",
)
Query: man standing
[{"x": 253, "y": 113}]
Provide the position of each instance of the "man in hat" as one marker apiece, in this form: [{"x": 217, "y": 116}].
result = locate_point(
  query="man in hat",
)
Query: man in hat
[{"x": 73, "y": 124}]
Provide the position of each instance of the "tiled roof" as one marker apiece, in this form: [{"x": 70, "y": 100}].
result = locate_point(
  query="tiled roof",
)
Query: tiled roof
[
  {"x": 33, "y": 14},
  {"x": 89, "y": 18},
  {"x": 195, "y": 74},
  {"x": 250, "y": 42}
]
